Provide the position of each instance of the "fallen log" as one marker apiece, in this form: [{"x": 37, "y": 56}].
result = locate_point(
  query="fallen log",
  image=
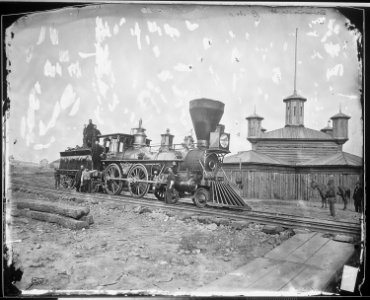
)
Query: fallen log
[
  {"x": 89, "y": 219},
  {"x": 60, "y": 209},
  {"x": 53, "y": 218}
]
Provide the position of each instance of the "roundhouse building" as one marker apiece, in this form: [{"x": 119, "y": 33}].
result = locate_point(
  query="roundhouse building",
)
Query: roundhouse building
[{"x": 284, "y": 161}]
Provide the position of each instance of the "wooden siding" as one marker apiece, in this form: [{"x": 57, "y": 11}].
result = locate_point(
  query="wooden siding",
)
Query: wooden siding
[
  {"x": 288, "y": 184},
  {"x": 296, "y": 151}
]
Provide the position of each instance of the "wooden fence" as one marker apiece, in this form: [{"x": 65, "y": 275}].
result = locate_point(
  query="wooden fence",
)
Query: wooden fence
[{"x": 288, "y": 185}]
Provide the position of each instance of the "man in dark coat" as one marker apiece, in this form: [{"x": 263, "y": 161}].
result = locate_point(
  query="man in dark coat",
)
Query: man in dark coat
[
  {"x": 57, "y": 178},
  {"x": 84, "y": 140},
  {"x": 358, "y": 197},
  {"x": 89, "y": 133},
  {"x": 78, "y": 178},
  {"x": 345, "y": 194},
  {"x": 331, "y": 196},
  {"x": 97, "y": 150}
]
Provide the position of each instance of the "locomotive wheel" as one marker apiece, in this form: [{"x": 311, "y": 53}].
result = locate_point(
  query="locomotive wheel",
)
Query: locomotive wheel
[
  {"x": 171, "y": 196},
  {"x": 160, "y": 192},
  {"x": 201, "y": 197},
  {"x": 66, "y": 182},
  {"x": 138, "y": 181},
  {"x": 112, "y": 186}
]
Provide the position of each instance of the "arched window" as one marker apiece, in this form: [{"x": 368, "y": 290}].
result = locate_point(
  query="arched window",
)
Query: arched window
[{"x": 301, "y": 110}]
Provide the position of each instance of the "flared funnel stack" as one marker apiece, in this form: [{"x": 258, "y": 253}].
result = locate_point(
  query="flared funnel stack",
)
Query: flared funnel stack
[{"x": 205, "y": 114}]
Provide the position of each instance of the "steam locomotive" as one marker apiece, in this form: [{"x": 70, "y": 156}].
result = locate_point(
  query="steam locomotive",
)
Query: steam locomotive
[{"x": 128, "y": 162}]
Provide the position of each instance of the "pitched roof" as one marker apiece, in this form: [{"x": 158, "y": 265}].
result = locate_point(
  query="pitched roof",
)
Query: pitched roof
[
  {"x": 252, "y": 156},
  {"x": 338, "y": 159},
  {"x": 340, "y": 115},
  {"x": 254, "y": 116},
  {"x": 296, "y": 132},
  {"x": 295, "y": 96}
]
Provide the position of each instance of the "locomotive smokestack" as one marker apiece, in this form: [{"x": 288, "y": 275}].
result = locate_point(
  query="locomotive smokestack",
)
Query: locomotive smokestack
[{"x": 205, "y": 114}]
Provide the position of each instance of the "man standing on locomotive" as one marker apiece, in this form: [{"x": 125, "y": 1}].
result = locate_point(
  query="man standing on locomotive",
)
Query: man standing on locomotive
[
  {"x": 89, "y": 133},
  {"x": 84, "y": 141}
]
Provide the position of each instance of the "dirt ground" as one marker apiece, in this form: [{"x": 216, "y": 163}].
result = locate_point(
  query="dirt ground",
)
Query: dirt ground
[{"x": 131, "y": 248}]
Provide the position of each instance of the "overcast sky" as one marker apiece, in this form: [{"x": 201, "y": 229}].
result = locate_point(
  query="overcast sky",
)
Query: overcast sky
[{"x": 117, "y": 63}]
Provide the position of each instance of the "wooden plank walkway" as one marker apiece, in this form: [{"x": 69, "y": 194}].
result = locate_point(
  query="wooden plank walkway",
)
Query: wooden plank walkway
[{"x": 304, "y": 263}]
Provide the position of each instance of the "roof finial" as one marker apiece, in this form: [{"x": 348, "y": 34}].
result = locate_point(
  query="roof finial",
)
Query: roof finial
[
  {"x": 340, "y": 107},
  {"x": 295, "y": 62}
]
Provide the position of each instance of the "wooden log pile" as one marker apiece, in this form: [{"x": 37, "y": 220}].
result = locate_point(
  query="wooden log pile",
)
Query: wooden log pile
[{"x": 66, "y": 215}]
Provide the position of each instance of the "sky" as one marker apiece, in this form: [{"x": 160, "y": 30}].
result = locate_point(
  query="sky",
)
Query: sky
[{"x": 118, "y": 63}]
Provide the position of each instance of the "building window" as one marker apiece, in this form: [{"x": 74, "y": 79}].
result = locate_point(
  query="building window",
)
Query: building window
[
  {"x": 301, "y": 110},
  {"x": 294, "y": 110}
]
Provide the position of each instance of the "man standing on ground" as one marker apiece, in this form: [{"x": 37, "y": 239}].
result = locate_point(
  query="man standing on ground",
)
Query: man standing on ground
[
  {"x": 78, "y": 178},
  {"x": 358, "y": 197},
  {"x": 331, "y": 196},
  {"x": 56, "y": 178},
  {"x": 86, "y": 181}
]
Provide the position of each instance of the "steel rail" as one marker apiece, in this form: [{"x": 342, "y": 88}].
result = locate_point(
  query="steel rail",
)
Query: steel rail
[
  {"x": 254, "y": 211},
  {"x": 326, "y": 226}
]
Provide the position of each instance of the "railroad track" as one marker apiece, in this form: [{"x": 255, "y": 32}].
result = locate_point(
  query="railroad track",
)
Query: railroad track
[{"x": 238, "y": 214}]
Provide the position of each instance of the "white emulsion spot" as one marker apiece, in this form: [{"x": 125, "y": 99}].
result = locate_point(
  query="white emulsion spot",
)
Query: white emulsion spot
[
  {"x": 50, "y": 70},
  {"x": 156, "y": 51},
  {"x": 207, "y": 43},
  {"x": 122, "y": 21},
  {"x": 41, "y": 36},
  {"x": 276, "y": 75},
  {"x": 332, "y": 49},
  {"x": 44, "y": 146},
  {"x": 171, "y": 31},
  {"x": 165, "y": 75},
  {"x": 102, "y": 30},
  {"x": 64, "y": 56},
  {"x": 191, "y": 26},
  {"x": 335, "y": 71},
  {"x": 316, "y": 55},
  {"x": 68, "y": 97},
  {"x": 136, "y": 32},
  {"x": 115, "y": 29},
  {"x": 75, "y": 107},
  {"x": 182, "y": 67},
  {"x": 53, "y": 36},
  {"x": 112, "y": 106},
  {"x": 312, "y": 33},
  {"x": 74, "y": 70},
  {"x": 153, "y": 27}
]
